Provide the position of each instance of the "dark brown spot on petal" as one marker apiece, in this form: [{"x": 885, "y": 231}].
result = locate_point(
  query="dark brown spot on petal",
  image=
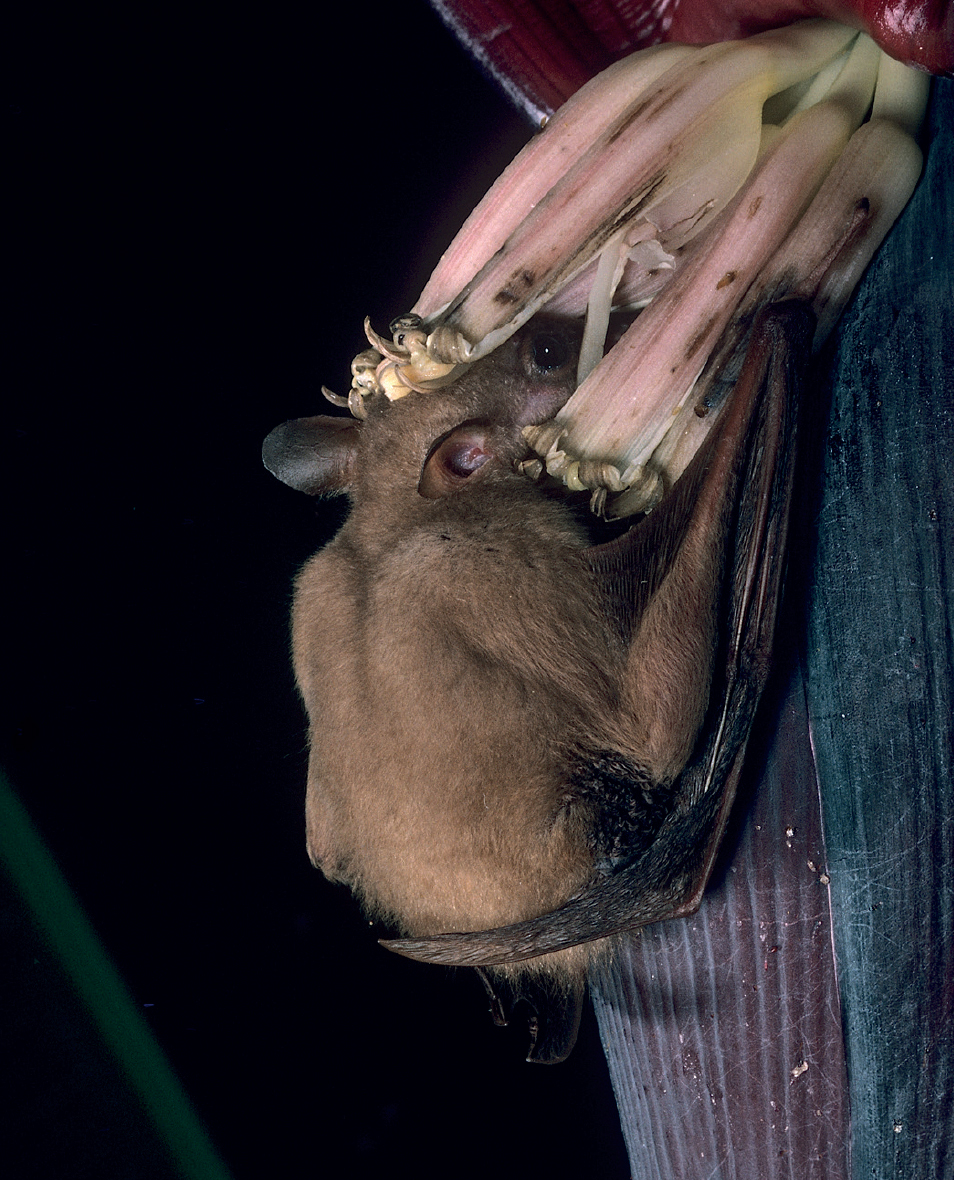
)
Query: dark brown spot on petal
[
  {"x": 640, "y": 110},
  {"x": 700, "y": 338},
  {"x": 629, "y": 119}
]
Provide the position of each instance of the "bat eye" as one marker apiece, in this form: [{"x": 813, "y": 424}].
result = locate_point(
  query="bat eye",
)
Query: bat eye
[{"x": 549, "y": 351}]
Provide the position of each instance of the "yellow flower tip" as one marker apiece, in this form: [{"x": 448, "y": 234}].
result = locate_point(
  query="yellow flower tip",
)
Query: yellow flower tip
[
  {"x": 363, "y": 369},
  {"x": 645, "y": 491},
  {"x": 544, "y": 439},
  {"x": 391, "y": 382},
  {"x": 532, "y": 469},
  {"x": 447, "y": 345},
  {"x": 571, "y": 477}
]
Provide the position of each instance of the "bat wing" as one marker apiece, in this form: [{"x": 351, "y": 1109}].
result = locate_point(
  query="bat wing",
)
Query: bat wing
[{"x": 731, "y": 507}]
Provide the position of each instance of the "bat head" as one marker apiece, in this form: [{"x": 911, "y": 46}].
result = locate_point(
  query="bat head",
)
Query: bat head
[{"x": 432, "y": 445}]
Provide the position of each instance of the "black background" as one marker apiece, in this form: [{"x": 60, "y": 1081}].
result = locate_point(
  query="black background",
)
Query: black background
[{"x": 208, "y": 202}]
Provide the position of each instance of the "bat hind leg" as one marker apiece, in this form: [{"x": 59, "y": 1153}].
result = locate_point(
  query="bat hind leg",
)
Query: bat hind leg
[{"x": 553, "y": 1012}]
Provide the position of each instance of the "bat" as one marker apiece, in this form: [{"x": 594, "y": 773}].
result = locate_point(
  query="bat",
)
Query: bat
[{"x": 526, "y": 737}]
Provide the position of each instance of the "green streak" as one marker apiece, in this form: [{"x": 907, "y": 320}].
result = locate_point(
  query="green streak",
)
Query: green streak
[{"x": 71, "y": 937}]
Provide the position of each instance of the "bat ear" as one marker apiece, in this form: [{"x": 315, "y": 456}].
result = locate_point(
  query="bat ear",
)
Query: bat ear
[
  {"x": 453, "y": 459},
  {"x": 313, "y": 455}
]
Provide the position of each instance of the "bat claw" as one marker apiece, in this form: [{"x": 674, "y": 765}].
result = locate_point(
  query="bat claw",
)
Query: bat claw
[{"x": 553, "y": 1028}]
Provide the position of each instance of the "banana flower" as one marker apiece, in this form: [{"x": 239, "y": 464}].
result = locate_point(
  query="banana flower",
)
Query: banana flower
[{"x": 690, "y": 185}]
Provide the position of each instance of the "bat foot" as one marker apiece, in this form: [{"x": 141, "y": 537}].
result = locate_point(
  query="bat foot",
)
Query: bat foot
[{"x": 553, "y": 1022}]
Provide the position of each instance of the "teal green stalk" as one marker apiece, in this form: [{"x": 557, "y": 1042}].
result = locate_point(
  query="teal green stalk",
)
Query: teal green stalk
[{"x": 68, "y": 932}]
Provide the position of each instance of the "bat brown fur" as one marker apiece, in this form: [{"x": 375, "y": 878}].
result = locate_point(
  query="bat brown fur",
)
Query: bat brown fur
[{"x": 501, "y": 714}]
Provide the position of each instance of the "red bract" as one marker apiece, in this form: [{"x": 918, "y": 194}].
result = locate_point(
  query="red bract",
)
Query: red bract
[
  {"x": 916, "y": 32},
  {"x": 543, "y": 50}
]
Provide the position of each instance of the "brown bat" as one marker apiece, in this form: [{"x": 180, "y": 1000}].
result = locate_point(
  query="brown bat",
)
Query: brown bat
[{"x": 525, "y": 740}]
